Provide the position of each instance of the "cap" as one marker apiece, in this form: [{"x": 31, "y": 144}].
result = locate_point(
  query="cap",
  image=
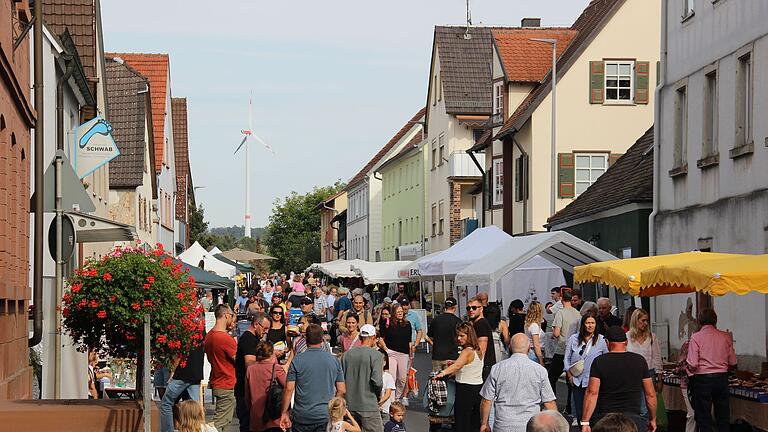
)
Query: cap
[
  {"x": 306, "y": 301},
  {"x": 387, "y": 300},
  {"x": 367, "y": 331},
  {"x": 278, "y": 295},
  {"x": 450, "y": 302},
  {"x": 615, "y": 334}
]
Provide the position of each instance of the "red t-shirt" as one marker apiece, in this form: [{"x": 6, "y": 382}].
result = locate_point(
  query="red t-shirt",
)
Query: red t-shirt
[{"x": 220, "y": 348}]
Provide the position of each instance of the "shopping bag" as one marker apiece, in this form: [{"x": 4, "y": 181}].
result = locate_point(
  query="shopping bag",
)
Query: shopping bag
[
  {"x": 413, "y": 384},
  {"x": 661, "y": 412}
]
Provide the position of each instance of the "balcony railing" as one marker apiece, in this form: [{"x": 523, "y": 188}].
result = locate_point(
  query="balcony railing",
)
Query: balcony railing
[
  {"x": 467, "y": 226},
  {"x": 461, "y": 164}
]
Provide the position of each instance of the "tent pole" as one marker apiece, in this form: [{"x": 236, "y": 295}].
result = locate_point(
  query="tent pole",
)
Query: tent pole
[{"x": 444, "y": 288}]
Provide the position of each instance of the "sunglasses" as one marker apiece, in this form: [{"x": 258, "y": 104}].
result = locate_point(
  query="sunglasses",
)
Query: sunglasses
[
  {"x": 469, "y": 308},
  {"x": 581, "y": 351},
  {"x": 277, "y": 312}
]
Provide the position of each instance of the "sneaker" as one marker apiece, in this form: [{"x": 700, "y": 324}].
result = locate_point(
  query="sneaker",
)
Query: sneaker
[{"x": 405, "y": 401}]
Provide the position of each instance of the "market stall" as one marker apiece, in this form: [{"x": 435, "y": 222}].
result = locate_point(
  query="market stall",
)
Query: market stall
[
  {"x": 340, "y": 268},
  {"x": 196, "y": 253},
  {"x": 380, "y": 272}
]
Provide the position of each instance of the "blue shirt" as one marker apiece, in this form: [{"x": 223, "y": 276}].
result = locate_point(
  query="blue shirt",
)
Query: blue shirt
[
  {"x": 416, "y": 324},
  {"x": 241, "y": 301},
  {"x": 393, "y": 426},
  {"x": 267, "y": 296},
  {"x": 572, "y": 349},
  {"x": 316, "y": 373},
  {"x": 342, "y": 303}
]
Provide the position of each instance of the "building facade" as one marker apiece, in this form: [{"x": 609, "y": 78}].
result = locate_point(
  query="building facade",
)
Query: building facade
[
  {"x": 185, "y": 191},
  {"x": 712, "y": 189},
  {"x": 331, "y": 238}
]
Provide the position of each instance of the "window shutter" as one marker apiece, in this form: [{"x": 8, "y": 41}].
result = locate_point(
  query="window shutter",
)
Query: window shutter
[
  {"x": 566, "y": 187},
  {"x": 613, "y": 157},
  {"x": 642, "y": 71},
  {"x": 596, "y": 81}
]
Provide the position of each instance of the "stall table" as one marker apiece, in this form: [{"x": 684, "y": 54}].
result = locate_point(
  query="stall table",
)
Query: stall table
[{"x": 120, "y": 393}]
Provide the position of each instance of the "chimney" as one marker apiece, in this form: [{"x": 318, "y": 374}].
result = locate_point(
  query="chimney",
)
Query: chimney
[{"x": 530, "y": 22}]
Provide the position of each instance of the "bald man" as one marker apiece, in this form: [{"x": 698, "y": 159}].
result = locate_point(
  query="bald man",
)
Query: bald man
[
  {"x": 516, "y": 387},
  {"x": 483, "y": 297},
  {"x": 548, "y": 421}
]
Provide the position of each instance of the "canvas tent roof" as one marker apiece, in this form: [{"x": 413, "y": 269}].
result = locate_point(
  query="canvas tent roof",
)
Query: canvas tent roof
[
  {"x": 241, "y": 267},
  {"x": 195, "y": 253},
  {"x": 205, "y": 279},
  {"x": 336, "y": 269},
  {"x": 381, "y": 272},
  {"x": 470, "y": 249}
]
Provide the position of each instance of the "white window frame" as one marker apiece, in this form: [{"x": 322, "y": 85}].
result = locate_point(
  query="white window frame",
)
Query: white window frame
[
  {"x": 498, "y": 181},
  {"x": 434, "y": 220},
  {"x": 591, "y": 169},
  {"x": 744, "y": 99},
  {"x": 440, "y": 217},
  {"x": 618, "y": 76},
  {"x": 441, "y": 147},
  {"x": 498, "y": 97},
  {"x": 688, "y": 8}
]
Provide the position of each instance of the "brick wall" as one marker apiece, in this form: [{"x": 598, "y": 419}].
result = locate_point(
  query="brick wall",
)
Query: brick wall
[
  {"x": 454, "y": 213},
  {"x": 15, "y": 373}
]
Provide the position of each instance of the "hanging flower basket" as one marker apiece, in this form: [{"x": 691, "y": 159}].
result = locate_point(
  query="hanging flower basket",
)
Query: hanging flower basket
[{"x": 105, "y": 302}]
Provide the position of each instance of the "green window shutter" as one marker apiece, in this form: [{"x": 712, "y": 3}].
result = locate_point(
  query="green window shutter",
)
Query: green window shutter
[
  {"x": 596, "y": 81},
  {"x": 642, "y": 71},
  {"x": 566, "y": 187}
]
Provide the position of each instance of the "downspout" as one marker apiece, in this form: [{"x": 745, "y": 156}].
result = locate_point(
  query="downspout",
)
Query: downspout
[
  {"x": 524, "y": 155},
  {"x": 657, "y": 118},
  {"x": 37, "y": 276},
  {"x": 482, "y": 173},
  {"x": 335, "y": 212}
]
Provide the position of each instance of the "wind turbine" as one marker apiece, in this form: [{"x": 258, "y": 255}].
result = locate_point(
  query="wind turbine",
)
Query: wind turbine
[{"x": 246, "y": 134}]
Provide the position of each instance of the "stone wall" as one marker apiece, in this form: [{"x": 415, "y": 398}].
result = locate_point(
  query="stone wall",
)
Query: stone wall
[{"x": 123, "y": 209}]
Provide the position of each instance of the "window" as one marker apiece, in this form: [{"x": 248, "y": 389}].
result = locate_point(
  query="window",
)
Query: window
[
  {"x": 744, "y": 100},
  {"x": 434, "y": 220},
  {"x": 441, "y": 216},
  {"x": 521, "y": 178},
  {"x": 681, "y": 130},
  {"x": 498, "y": 181},
  {"x": 441, "y": 144},
  {"x": 618, "y": 81},
  {"x": 710, "y": 115},
  {"x": 498, "y": 97},
  {"x": 434, "y": 91},
  {"x": 440, "y": 88},
  {"x": 434, "y": 154},
  {"x": 589, "y": 166}
]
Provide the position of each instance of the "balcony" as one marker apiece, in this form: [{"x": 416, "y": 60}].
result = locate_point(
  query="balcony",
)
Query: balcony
[
  {"x": 461, "y": 165},
  {"x": 467, "y": 226}
]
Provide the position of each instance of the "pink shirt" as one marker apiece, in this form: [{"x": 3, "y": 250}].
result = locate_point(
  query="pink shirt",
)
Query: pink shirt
[
  {"x": 298, "y": 287},
  {"x": 710, "y": 351}
]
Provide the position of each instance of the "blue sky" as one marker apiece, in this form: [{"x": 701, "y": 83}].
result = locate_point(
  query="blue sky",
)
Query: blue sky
[{"x": 332, "y": 81}]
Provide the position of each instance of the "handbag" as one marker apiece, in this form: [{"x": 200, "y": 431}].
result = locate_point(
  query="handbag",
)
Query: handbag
[
  {"x": 577, "y": 368},
  {"x": 273, "y": 405}
]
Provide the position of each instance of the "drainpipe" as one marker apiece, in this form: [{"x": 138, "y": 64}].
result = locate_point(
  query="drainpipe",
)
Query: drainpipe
[
  {"x": 37, "y": 277},
  {"x": 524, "y": 155},
  {"x": 335, "y": 212},
  {"x": 657, "y": 119},
  {"x": 482, "y": 173}
]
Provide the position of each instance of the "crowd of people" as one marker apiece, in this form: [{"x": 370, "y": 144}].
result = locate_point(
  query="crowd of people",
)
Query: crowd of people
[{"x": 306, "y": 357}]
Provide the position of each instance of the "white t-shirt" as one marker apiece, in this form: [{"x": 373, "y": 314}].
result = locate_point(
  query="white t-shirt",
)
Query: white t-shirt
[
  {"x": 533, "y": 329},
  {"x": 389, "y": 383}
]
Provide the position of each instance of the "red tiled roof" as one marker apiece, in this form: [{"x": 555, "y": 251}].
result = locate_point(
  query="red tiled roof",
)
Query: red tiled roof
[
  {"x": 525, "y": 60},
  {"x": 181, "y": 154},
  {"x": 387, "y": 147},
  {"x": 156, "y": 68},
  {"x": 79, "y": 16},
  {"x": 587, "y": 25}
]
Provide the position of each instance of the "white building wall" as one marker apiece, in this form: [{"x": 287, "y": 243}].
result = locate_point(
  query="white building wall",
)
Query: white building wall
[{"x": 357, "y": 222}]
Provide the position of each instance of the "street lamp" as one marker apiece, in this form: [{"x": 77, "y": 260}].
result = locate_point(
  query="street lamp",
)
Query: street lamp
[{"x": 553, "y": 162}]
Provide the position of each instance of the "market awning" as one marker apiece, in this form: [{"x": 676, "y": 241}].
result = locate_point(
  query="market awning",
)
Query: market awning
[
  {"x": 471, "y": 249},
  {"x": 728, "y": 273},
  {"x": 380, "y": 272},
  {"x": 197, "y": 253},
  {"x": 241, "y": 267},
  {"x": 243, "y": 255},
  {"x": 627, "y": 274},
  {"x": 205, "y": 279},
  {"x": 336, "y": 269}
]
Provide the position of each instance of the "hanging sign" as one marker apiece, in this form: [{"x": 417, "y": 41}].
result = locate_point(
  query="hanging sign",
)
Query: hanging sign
[{"x": 94, "y": 146}]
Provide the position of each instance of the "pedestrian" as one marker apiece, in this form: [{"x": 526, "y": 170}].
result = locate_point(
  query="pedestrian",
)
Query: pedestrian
[
  {"x": 269, "y": 289},
  {"x": 314, "y": 377},
  {"x": 516, "y": 317},
  {"x": 259, "y": 376},
  {"x": 441, "y": 334},
  {"x": 710, "y": 357},
  {"x": 516, "y": 388},
  {"x": 363, "y": 375},
  {"x": 241, "y": 302},
  {"x": 300, "y": 341},
  {"x": 682, "y": 372},
  {"x": 246, "y": 356},
  {"x": 483, "y": 298},
  {"x": 276, "y": 332},
  {"x": 396, "y": 421},
  {"x": 555, "y": 294},
  {"x": 368, "y": 302},
  {"x": 615, "y": 422},
  {"x": 468, "y": 369},
  {"x": 627, "y": 317},
  {"x": 580, "y": 351},
  {"x": 220, "y": 349},
  {"x": 605, "y": 318},
  {"x": 616, "y": 378},
  {"x": 547, "y": 421},
  {"x": 320, "y": 304},
  {"x": 576, "y": 299},
  {"x": 387, "y": 390},
  {"x": 417, "y": 326},
  {"x": 364, "y": 316},
  {"x": 207, "y": 301},
  {"x": 351, "y": 338},
  {"x": 184, "y": 383},
  {"x": 307, "y": 306},
  {"x": 337, "y": 412},
  {"x": 401, "y": 296},
  {"x": 499, "y": 330},
  {"x": 296, "y": 293},
  {"x": 330, "y": 299},
  {"x": 396, "y": 341},
  {"x": 484, "y": 334},
  {"x": 343, "y": 303},
  {"x": 385, "y": 313},
  {"x": 192, "y": 418},
  {"x": 564, "y": 321},
  {"x": 641, "y": 340},
  {"x": 532, "y": 325}
]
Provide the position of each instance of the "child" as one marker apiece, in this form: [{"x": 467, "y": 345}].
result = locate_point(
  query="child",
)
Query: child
[
  {"x": 387, "y": 391},
  {"x": 337, "y": 411},
  {"x": 192, "y": 418},
  {"x": 397, "y": 415}
]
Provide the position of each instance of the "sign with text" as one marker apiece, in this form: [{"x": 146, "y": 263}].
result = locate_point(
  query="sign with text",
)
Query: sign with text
[{"x": 94, "y": 146}]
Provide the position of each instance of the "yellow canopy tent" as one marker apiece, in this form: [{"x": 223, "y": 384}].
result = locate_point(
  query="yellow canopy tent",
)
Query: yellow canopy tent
[
  {"x": 740, "y": 274},
  {"x": 627, "y": 274}
]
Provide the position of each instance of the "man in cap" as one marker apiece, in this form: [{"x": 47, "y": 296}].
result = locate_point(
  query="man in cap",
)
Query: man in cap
[
  {"x": 363, "y": 369},
  {"x": 616, "y": 380},
  {"x": 241, "y": 302},
  {"x": 441, "y": 334}
]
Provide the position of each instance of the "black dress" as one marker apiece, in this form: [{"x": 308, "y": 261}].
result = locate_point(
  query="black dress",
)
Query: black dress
[{"x": 276, "y": 335}]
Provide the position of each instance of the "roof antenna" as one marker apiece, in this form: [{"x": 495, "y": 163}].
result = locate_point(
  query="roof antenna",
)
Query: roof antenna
[{"x": 469, "y": 22}]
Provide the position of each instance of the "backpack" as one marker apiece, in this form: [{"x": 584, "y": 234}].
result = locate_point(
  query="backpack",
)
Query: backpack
[{"x": 274, "y": 404}]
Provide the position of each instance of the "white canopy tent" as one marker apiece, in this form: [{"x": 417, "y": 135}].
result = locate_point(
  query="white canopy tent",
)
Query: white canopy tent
[
  {"x": 380, "y": 272},
  {"x": 195, "y": 253},
  {"x": 336, "y": 269},
  {"x": 472, "y": 248},
  {"x": 215, "y": 250}
]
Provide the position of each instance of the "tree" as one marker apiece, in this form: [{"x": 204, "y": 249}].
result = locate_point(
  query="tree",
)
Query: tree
[
  {"x": 197, "y": 224},
  {"x": 293, "y": 233}
]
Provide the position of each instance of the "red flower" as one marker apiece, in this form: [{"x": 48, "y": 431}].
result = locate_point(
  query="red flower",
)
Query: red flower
[
  {"x": 167, "y": 261},
  {"x": 180, "y": 296},
  {"x": 66, "y": 297},
  {"x": 151, "y": 279},
  {"x": 76, "y": 287},
  {"x": 107, "y": 277},
  {"x": 136, "y": 306},
  {"x": 94, "y": 304},
  {"x": 148, "y": 303},
  {"x": 146, "y": 286},
  {"x": 159, "y": 246},
  {"x": 113, "y": 298},
  {"x": 161, "y": 338},
  {"x": 92, "y": 272},
  {"x": 191, "y": 279},
  {"x": 130, "y": 337},
  {"x": 83, "y": 303},
  {"x": 65, "y": 311},
  {"x": 102, "y": 314},
  {"x": 183, "y": 363}
]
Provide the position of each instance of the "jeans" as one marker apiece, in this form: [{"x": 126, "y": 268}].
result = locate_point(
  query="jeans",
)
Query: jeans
[
  {"x": 643, "y": 406},
  {"x": 173, "y": 391},
  {"x": 577, "y": 402},
  {"x": 711, "y": 390},
  {"x": 243, "y": 412},
  {"x": 555, "y": 370},
  {"x": 298, "y": 427},
  {"x": 467, "y": 408},
  {"x": 224, "y": 401},
  {"x": 369, "y": 421}
]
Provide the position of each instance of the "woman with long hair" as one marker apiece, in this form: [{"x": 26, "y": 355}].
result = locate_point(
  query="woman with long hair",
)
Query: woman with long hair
[
  {"x": 385, "y": 313},
  {"x": 192, "y": 418},
  {"x": 396, "y": 341},
  {"x": 500, "y": 330},
  {"x": 258, "y": 377},
  {"x": 276, "y": 332},
  {"x": 581, "y": 350},
  {"x": 468, "y": 369},
  {"x": 533, "y": 320},
  {"x": 640, "y": 340},
  {"x": 626, "y": 322},
  {"x": 351, "y": 338}
]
